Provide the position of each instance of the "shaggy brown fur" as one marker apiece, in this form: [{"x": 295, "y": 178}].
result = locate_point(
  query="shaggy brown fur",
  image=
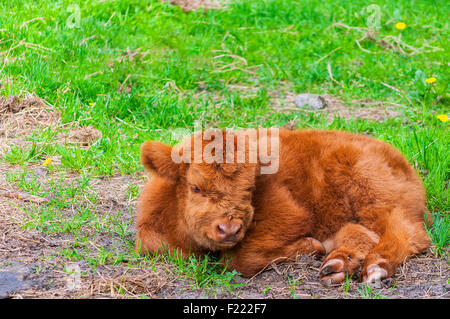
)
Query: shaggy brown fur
[{"x": 355, "y": 199}]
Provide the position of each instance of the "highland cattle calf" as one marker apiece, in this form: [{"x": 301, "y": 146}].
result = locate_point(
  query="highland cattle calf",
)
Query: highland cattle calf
[{"x": 259, "y": 196}]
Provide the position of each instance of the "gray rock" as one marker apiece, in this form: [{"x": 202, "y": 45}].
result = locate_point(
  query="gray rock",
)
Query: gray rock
[{"x": 310, "y": 101}]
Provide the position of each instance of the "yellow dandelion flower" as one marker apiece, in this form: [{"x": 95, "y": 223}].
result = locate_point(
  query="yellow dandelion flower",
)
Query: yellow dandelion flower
[
  {"x": 47, "y": 161},
  {"x": 400, "y": 25},
  {"x": 443, "y": 117},
  {"x": 92, "y": 104},
  {"x": 431, "y": 80}
]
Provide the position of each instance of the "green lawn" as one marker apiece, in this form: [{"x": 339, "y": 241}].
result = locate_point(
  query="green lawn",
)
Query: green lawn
[{"x": 135, "y": 70}]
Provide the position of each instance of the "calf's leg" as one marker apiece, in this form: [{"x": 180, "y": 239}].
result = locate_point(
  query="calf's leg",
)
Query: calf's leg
[
  {"x": 404, "y": 236},
  {"x": 148, "y": 241},
  {"x": 349, "y": 247},
  {"x": 249, "y": 261}
]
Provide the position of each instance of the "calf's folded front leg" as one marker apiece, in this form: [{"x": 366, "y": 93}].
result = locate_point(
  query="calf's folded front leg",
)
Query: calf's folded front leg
[
  {"x": 149, "y": 241},
  {"x": 249, "y": 260}
]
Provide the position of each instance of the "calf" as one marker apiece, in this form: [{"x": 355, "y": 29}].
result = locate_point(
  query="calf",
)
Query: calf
[{"x": 352, "y": 198}]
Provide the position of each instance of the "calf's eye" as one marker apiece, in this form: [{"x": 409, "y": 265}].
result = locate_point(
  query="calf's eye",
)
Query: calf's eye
[{"x": 195, "y": 189}]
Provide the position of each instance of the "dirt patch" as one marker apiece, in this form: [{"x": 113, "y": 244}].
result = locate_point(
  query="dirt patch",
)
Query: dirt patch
[
  {"x": 79, "y": 135},
  {"x": 366, "y": 109},
  {"x": 21, "y": 116},
  {"x": 423, "y": 276},
  {"x": 192, "y": 5},
  {"x": 282, "y": 99},
  {"x": 42, "y": 249}
]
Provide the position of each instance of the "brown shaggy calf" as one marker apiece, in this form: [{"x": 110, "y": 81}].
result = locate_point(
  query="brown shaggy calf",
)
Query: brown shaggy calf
[{"x": 355, "y": 199}]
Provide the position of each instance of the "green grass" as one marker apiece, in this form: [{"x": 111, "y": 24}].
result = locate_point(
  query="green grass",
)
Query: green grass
[
  {"x": 347, "y": 282},
  {"x": 368, "y": 292},
  {"x": 173, "y": 64},
  {"x": 207, "y": 272},
  {"x": 293, "y": 283},
  {"x": 440, "y": 233}
]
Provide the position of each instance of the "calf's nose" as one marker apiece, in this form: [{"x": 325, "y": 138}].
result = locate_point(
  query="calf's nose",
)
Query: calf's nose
[{"x": 228, "y": 231}]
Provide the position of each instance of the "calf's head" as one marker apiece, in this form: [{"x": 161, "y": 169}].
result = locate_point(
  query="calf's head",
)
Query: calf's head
[{"x": 214, "y": 189}]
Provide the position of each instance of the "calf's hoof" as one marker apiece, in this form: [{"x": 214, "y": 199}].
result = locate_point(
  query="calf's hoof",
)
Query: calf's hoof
[
  {"x": 373, "y": 274},
  {"x": 332, "y": 272},
  {"x": 336, "y": 266}
]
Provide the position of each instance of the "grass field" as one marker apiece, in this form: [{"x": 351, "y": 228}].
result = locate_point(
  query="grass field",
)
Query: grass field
[{"x": 108, "y": 75}]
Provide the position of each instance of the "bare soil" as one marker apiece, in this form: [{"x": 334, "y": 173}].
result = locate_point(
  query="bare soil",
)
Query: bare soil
[
  {"x": 20, "y": 116},
  {"x": 356, "y": 109}
]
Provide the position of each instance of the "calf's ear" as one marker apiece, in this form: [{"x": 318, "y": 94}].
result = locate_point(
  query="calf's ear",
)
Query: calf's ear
[{"x": 156, "y": 158}]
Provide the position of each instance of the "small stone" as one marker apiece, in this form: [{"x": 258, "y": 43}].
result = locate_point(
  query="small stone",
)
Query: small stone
[{"x": 310, "y": 101}]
